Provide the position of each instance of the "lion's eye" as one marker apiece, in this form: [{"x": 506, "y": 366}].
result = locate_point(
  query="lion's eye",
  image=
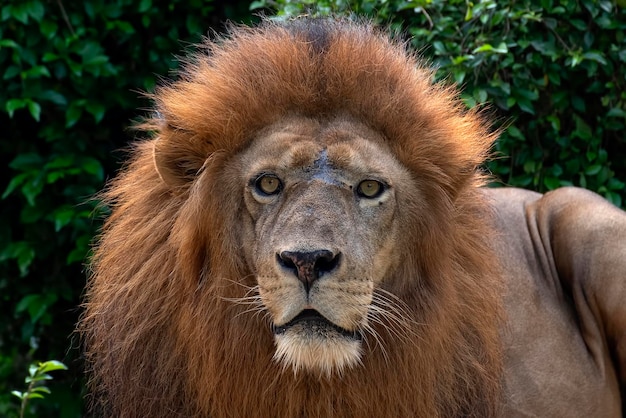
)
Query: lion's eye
[
  {"x": 370, "y": 189},
  {"x": 268, "y": 184}
]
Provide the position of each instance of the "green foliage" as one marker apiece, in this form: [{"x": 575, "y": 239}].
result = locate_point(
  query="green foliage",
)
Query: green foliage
[
  {"x": 554, "y": 73},
  {"x": 70, "y": 76},
  {"x": 37, "y": 374}
]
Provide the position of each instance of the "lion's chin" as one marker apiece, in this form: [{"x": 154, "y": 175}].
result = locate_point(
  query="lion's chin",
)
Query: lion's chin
[{"x": 311, "y": 343}]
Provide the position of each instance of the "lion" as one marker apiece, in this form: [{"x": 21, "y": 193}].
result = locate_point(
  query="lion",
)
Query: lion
[{"x": 307, "y": 234}]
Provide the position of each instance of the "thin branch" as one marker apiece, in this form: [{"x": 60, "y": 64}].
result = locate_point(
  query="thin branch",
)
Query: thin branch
[{"x": 67, "y": 20}]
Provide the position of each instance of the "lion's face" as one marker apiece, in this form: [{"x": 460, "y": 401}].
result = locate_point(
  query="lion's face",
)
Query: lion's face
[{"x": 322, "y": 227}]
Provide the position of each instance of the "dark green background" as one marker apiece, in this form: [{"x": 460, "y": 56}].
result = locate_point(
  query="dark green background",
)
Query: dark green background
[{"x": 71, "y": 77}]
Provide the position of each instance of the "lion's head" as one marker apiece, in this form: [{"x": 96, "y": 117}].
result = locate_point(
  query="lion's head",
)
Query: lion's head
[
  {"x": 302, "y": 237},
  {"x": 322, "y": 224}
]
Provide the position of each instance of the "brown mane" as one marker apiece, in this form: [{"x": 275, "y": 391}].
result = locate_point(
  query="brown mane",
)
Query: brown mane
[{"x": 162, "y": 338}]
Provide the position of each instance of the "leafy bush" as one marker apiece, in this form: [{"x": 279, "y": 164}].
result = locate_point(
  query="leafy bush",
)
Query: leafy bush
[
  {"x": 70, "y": 73},
  {"x": 554, "y": 71}
]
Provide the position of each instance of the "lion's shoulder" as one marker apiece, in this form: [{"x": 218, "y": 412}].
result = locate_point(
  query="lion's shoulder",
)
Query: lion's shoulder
[{"x": 560, "y": 255}]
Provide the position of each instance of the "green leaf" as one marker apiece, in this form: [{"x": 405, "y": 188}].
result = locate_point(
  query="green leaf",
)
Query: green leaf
[
  {"x": 11, "y": 72},
  {"x": 15, "y": 104},
  {"x": 615, "y": 184},
  {"x": 575, "y": 59},
  {"x": 97, "y": 110},
  {"x": 31, "y": 214},
  {"x": 193, "y": 24},
  {"x": 51, "y": 365},
  {"x": 616, "y": 112},
  {"x": 76, "y": 68},
  {"x": 614, "y": 198},
  {"x": 48, "y": 29},
  {"x": 96, "y": 60},
  {"x": 27, "y": 161},
  {"x": 525, "y": 105},
  {"x": 482, "y": 48},
  {"x": 555, "y": 122},
  {"x": 53, "y": 96},
  {"x": 469, "y": 101},
  {"x": 79, "y": 253},
  {"x": 62, "y": 217},
  {"x": 556, "y": 170},
  {"x": 89, "y": 9},
  {"x": 583, "y": 130},
  {"x": 606, "y": 5},
  {"x": 514, "y": 132},
  {"x": 36, "y": 305},
  {"x": 257, "y": 5},
  {"x": 595, "y": 56},
  {"x": 530, "y": 166},
  {"x": 20, "y": 12},
  {"x": 40, "y": 389},
  {"x": 14, "y": 184},
  {"x": 35, "y": 110},
  {"x": 73, "y": 113},
  {"x": 92, "y": 166},
  {"x": 145, "y": 21},
  {"x": 38, "y": 377},
  {"x": 551, "y": 183},
  {"x": 579, "y": 24},
  {"x": 61, "y": 161},
  {"x": 31, "y": 189},
  {"x": 510, "y": 102},
  {"x": 594, "y": 169},
  {"x": 579, "y": 104},
  {"x": 501, "y": 48},
  {"x": 526, "y": 94},
  {"x": 49, "y": 56},
  {"x": 480, "y": 95},
  {"x": 5, "y": 13},
  {"x": 8, "y": 43},
  {"x": 35, "y": 9},
  {"x": 459, "y": 75},
  {"x": 32, "y": 369},
  {"x": 124, "y": 27},
  {"x": 17, "y": 393},
  {"x": 24, "y": 254},
  {"x": 144, "y": 6},
  {"x": 36, "y": 72}
]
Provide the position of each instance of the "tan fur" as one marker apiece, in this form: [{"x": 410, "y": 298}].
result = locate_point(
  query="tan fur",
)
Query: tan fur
[{"x": 163, "y": 335}]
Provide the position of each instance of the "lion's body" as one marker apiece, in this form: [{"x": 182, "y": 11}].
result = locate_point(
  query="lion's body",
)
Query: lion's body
[
  {"x": 563, "y": 258},
  {"x": 307, "y": 237}
]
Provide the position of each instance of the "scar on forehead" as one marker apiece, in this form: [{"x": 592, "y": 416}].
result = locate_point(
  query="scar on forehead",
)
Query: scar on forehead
[
  {"x": 341, "y": 155},
  {"x": 338, "y": 155}
]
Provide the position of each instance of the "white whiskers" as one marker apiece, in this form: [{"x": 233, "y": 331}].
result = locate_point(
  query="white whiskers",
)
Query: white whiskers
[
  {"x": 252, "y": 300},
  {"x": 393, "y": 315}
]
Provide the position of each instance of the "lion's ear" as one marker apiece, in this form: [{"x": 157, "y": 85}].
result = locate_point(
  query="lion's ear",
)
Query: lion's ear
[{"x": 177, "y": 160}]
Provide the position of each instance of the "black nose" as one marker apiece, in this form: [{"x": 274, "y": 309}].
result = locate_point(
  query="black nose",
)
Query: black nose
[{"x": 309, "y": 266}]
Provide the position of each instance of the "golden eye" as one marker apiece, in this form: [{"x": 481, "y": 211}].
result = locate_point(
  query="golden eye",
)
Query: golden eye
[
  {"x": 370, "y": 188},
  {"x": 268, "y": 184}
]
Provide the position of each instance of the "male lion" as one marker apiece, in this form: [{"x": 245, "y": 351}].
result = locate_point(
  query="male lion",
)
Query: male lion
[{"x": 307, "y": 236}]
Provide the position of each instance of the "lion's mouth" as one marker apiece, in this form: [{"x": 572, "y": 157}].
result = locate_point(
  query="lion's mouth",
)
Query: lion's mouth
[{"x": 311, "y": 322}]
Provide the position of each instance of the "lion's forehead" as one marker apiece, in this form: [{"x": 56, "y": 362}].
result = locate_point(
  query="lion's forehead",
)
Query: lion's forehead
[{"x": 316, "y": 148}]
